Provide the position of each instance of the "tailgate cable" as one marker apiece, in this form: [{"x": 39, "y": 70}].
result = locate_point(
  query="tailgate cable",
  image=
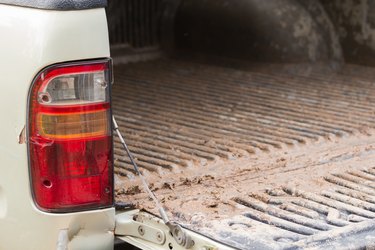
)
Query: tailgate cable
[{"x": 181, "y": 237}]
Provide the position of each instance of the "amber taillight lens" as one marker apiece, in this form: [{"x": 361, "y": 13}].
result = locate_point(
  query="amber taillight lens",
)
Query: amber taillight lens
[{"x": 70, "y": 137}]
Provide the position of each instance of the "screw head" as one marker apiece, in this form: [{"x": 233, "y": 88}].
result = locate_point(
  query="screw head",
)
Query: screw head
[
  {"x": 141, "y": 230},
  {"x": 101, "y": 82},
  {"x": 159, "y": 237},
  {"x": 44, "y": 97}
]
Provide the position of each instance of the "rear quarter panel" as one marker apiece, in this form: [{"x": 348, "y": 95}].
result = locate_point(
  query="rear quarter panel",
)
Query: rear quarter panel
[{"x": 30, "y": 40}]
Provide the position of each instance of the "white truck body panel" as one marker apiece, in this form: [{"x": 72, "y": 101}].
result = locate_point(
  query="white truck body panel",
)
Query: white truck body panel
[{"x": 42, "y": 38}]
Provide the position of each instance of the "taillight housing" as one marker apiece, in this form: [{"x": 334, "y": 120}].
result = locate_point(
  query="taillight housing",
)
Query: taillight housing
[{"x": 70, "y": 137}]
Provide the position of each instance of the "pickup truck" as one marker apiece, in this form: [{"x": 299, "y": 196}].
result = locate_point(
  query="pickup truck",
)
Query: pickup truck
[
  {"x": 56, "y": 188},
  {"x": 251, "y": 120}
]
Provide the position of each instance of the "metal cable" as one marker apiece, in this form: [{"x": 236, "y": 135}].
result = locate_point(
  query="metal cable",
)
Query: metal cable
[{"x": 161, "y": 210}]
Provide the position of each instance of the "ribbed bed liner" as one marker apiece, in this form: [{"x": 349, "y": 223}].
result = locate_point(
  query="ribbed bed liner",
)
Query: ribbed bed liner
[{"x": 268, "y": 156}]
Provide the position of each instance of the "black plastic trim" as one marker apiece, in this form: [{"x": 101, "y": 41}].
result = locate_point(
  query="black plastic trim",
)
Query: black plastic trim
[
  {"x": 57, "y": 4},
  {"x": 123, "y": 245}
]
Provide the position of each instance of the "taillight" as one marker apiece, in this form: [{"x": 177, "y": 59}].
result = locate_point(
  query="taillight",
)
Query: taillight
[{"x": 70, "y": 137}]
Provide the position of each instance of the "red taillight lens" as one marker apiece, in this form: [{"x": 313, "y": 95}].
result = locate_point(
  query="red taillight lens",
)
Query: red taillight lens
[{"x": 70, "y": 137}]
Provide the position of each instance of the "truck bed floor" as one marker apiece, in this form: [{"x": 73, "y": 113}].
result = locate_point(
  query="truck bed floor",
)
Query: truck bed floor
[{"x": 269, "y": 156}]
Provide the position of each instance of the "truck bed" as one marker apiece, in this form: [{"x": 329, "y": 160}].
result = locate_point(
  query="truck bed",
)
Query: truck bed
[{"x": 267, "y": 156}]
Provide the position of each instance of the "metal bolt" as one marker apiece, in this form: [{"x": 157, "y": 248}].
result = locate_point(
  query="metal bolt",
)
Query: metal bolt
[
  {"x": 141, "y": 230},
  {"x": 159, "y": 237}
]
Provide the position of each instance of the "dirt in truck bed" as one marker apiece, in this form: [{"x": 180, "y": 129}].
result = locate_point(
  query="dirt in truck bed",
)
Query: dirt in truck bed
[{"x": 268, "y": 156}]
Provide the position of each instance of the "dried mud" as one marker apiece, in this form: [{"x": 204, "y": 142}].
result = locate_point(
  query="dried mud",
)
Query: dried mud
[
  {"x": 264, "y": 154},
  {"x": 198, "y": 194}
]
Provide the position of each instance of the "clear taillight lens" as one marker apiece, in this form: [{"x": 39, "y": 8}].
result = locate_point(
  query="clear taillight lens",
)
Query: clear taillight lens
[{"x": 70, "y": 137}]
